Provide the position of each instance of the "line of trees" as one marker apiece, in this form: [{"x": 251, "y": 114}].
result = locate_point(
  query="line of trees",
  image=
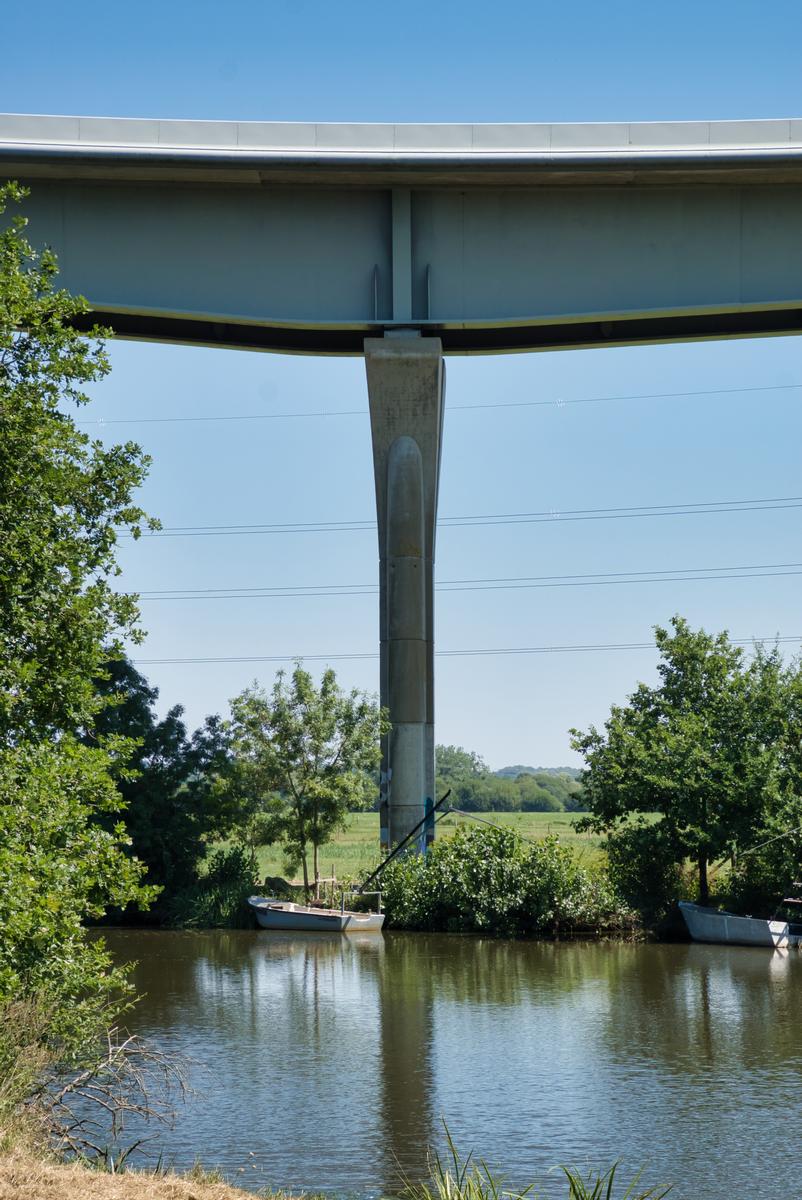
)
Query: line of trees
[
  {"x": 286, "y": 768},
  {"x": 475, "y": 788}
]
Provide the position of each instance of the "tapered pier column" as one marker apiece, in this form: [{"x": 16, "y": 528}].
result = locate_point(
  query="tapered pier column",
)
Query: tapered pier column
[{"x": 406, "y": 387}]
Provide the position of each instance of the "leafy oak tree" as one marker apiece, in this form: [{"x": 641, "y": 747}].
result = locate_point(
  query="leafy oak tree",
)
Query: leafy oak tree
[
  {"x": 63, "y": 499},
  {"x": 304, "y": 757},
  {"x": 704, "y": 749}
]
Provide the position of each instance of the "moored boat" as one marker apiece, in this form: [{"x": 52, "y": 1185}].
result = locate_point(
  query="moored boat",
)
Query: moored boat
[
  {"x": 283, "y": 914},
  {"x": 725, "y": 928}
]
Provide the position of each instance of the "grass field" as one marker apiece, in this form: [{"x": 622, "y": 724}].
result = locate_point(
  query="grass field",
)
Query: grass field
[{"x": 357, "y": 848}]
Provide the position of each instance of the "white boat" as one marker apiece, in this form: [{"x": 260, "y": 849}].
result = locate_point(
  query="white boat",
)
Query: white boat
[
  {"x": 282, "y": 914},
  {"x": 724, "y": 928}
]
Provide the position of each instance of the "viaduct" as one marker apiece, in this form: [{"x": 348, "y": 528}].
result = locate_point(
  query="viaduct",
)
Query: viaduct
[{"x": 404, "y": 243}]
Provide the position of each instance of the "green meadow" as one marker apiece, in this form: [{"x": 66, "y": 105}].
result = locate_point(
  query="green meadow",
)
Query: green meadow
[{"x": 356, "y": 848}]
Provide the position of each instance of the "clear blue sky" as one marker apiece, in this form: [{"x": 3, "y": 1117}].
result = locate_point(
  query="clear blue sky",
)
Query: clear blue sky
[{"x": 444, "y": 61}]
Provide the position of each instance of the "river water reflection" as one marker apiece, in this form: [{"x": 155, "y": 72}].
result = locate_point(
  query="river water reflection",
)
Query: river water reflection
[{"x": 330, "y": 1061}]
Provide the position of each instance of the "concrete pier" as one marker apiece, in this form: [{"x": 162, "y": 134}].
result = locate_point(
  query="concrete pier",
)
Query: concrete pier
[{"x": 406, "y": 388}]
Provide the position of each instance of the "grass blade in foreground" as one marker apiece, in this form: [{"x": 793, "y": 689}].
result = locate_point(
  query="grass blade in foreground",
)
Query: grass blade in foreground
[
  {"x": 467, "y": 1180},
  {"x": 600, "y": 1187}
]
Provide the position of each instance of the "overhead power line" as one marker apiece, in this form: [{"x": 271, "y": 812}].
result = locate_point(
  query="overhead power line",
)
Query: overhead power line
[
  {"x": 462, "y": 653},
  {"x": 680, "y": 509},
  {"x": 514, "y": 582},
  {"x": 556, "y": 402}
]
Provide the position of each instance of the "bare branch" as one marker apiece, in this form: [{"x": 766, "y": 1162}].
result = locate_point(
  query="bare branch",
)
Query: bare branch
[{"x": 131, "y": 1081}]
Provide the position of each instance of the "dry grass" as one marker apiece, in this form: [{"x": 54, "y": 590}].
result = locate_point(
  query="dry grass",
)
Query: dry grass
[{"x": 24, "y": 1176}]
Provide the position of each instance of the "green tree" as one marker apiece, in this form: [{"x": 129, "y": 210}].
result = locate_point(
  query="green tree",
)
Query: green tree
[
  {"x": 772, "y": 868},
  {"x": 475, "y": 788},
  {"x": 58, "y": 868},
  {"x": 534, "y": 797},
  {"x": 455, "y": 765},
  {"x": 63, "y": 501},
  {"x": 304, "y": 757},
  {"x": 175, "y": 803},
  {"x": 703, "y": 749}
]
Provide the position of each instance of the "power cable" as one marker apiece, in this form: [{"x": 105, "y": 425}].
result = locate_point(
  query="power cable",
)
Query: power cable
[
  {"x": 667, "y": 575},
  {"x": 462, "y": 653},
  {"x": 678, "y": 509},
  {"x": 558, "y": 402}
]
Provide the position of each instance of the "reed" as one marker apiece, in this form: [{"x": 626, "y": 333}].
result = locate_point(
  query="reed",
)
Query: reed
[
  {"x": 469, "y": 1179},
  {"x": 601, "y": 1187}
]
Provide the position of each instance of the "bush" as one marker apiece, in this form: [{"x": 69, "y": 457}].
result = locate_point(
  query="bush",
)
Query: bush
[
  {"x": 219, "y": 898},
  {"x": 58, "y": 869},
  {"x": 489, "y": 881},
  {"x": 763, "y": 875},
  {"x": 644, "y": 867}
]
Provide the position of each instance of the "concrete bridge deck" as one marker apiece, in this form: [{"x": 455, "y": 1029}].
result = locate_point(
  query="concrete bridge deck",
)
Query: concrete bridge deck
[{"x": 490, "y": 237}]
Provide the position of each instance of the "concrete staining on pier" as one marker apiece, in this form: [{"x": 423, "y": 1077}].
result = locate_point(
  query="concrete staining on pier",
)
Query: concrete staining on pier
[{"x": 404, "y": 242}]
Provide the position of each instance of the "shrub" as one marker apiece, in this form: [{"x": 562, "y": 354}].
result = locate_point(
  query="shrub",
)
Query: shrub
[
  {"x": 219, "y": 898},
  {"x": 769, "y": 871},
  {"x": 644, "y": 867},
  {"x": 58, "y": 869},
  {"x": 490, "y": 881}
]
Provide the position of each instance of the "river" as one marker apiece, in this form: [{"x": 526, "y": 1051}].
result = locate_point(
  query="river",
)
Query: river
[{"x": 327, "y": 1062}]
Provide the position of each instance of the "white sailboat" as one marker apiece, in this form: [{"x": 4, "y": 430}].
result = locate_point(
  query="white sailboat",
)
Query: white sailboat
[{"x": 282, "y": 914}]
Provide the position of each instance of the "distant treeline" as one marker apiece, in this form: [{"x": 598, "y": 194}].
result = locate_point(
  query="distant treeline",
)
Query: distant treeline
[
  {"x": 519, "y": 769},
  {"x": 475, "y": 788}
]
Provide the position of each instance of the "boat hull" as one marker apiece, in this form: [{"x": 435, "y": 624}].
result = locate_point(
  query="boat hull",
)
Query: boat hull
[
  {"x": 727, "y": 929},
  {"x": 279, "y": 914}
]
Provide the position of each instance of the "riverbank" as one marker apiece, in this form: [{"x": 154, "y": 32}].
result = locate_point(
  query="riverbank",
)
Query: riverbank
[{"x": 25, "y": 1176}]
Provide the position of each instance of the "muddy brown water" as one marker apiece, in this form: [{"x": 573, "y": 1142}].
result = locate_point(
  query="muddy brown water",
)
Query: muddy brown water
[{"x": 329, "y": 1062}]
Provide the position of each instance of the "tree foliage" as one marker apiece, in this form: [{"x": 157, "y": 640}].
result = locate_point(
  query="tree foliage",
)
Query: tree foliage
[
  {"x": 172, "y": 790},
  {"x": 58, "y": 868},
  {"x": 454, "y": 765},
  {"x": 771, "y": 869},
  {"x": 491, "y": 881},
  {"x": 304, "y": 757},
  {"x": 63, "y": 500},
  {"x": 218, "y": 896},
  {"x": 704, "y": 749},
  {"x": 475, "y": 788}
]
